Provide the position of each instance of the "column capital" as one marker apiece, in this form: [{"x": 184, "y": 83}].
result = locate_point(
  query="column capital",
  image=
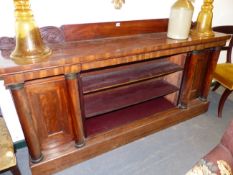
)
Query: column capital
[
  {"x": 71, "y": 76},
  {"x": 17, "y": 86}
]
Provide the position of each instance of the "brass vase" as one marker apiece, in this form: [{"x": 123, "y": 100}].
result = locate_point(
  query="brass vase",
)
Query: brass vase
[
  {"x": 29, "y": 44},
  {"x": 203, "y": 27}
]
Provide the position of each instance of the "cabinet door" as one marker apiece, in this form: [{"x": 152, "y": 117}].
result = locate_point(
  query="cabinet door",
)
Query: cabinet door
[
  {"x": 48, "y": 100},
  {"x": 201, "y": 62},
  {"x": 194, "y": 76}
]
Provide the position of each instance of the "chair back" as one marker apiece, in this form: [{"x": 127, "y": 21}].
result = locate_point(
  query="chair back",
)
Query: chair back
[{"x": 228, "y": 48}]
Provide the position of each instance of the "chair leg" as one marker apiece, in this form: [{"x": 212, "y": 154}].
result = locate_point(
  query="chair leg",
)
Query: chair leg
[
  {"x": 15, "y": 170},
  {"x": 216, "y": 86},
  {"x": 224, "y": 96}
]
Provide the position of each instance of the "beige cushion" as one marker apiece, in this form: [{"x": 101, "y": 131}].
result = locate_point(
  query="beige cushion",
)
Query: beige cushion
[{"x": 7, "y": 156}]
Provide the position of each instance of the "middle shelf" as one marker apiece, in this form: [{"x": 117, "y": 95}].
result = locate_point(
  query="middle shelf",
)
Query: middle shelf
[{"x": 117, "y": 98}]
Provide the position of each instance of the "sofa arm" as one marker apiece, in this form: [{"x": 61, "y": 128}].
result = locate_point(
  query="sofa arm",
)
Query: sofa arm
[{"x": 219, "y": 161}]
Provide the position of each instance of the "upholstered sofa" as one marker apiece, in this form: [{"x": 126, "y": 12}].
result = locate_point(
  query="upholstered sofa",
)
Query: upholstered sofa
[{"x": 218, "y": 161}]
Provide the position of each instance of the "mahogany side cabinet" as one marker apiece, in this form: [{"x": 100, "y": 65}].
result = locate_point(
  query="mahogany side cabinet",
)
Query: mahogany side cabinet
[{"x": 105, "y": 85}]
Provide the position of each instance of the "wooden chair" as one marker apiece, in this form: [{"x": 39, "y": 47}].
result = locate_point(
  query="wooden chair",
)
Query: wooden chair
[
  {"x": 7, "y": 155},
  {"x": 224, "y": 72}
]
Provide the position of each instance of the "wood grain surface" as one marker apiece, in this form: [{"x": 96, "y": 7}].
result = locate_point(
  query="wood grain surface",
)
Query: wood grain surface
[
  {"x": 70, "y": 57},
  {"x": 105, "y": 85}
]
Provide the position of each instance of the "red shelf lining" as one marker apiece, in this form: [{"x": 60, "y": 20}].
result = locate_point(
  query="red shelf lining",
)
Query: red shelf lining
[{"x": 117, "y": 118}]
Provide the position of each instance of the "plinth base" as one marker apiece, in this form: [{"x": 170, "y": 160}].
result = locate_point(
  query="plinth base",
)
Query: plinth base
[{"x": 67, "y": 155}]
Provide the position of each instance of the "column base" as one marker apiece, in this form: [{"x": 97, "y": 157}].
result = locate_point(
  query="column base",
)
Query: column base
[
  {"x": 37, "y": 160},
  {"x": 182, "y": 106},
  {"x": 203, "y": 99},
  {"x": 79, "y": 145}
]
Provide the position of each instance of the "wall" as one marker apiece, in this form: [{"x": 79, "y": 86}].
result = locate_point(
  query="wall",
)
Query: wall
[{"x": 58, "y": 12}]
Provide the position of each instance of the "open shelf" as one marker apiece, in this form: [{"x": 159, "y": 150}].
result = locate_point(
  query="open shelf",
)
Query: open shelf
[
  {"x": 117, "y": 118},
  {"x": 117, "y": 76},
  {"x": 117, "y": 98}
]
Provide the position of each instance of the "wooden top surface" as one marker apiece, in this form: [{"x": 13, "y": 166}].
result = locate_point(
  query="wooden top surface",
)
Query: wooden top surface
[{"x": 69, "y": 53}]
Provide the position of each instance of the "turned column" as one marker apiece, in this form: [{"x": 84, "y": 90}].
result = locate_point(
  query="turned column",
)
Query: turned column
[
  {"x": 212, "y": 62},
  {"x": 73, "y": 90},
  {"x": 25, "y": 118}
]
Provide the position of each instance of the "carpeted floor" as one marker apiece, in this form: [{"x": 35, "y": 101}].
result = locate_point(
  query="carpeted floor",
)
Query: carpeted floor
[{"x": 169, "y": 152}]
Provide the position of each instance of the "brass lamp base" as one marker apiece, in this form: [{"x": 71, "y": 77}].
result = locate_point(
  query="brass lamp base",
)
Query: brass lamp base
[
  {"x": 29, "y": 44},
  {"x": 41, "y": 55},
  {"x": 203, "y": 27},
  {"x": 206, "y": 34}
]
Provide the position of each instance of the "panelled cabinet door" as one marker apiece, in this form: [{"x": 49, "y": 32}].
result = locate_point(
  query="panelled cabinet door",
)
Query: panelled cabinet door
[
  {"x": 48, "y": 100},
  {"x": 201, "y": 59}
]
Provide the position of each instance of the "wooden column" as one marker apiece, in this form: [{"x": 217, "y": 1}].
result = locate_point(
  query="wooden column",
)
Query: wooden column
[
  {"x": 188, "y": 77},
  {"x": 212, "y": 62},
  {"x": 73, "y": 89},
  {"x": 25, "y": 118}
]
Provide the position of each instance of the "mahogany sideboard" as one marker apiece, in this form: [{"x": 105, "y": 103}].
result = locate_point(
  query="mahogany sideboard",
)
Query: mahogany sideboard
[{"x": 105, "y": 85}]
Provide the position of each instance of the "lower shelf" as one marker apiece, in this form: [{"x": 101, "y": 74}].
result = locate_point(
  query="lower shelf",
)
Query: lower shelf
[
  {"x": 66, "y": 155},
  {"x": 117, "y": 118}
]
